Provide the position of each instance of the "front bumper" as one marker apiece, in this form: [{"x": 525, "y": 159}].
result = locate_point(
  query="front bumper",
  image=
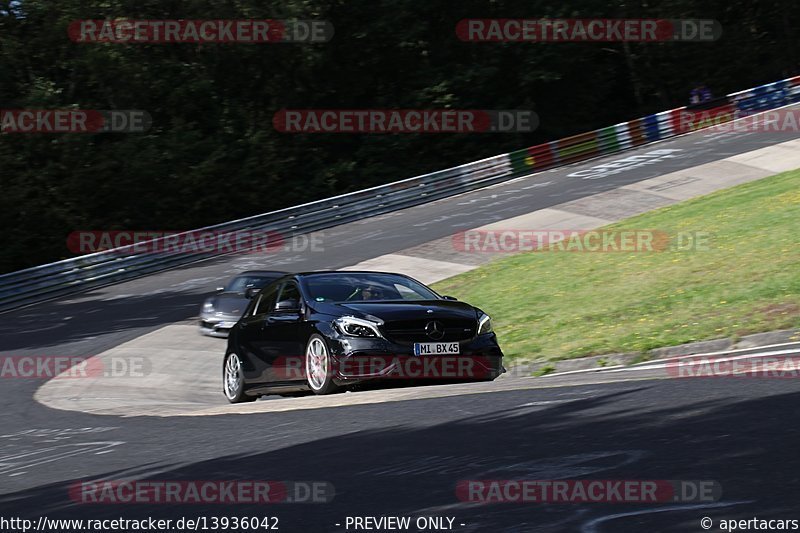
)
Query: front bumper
[{"x": 357, "y": 360}]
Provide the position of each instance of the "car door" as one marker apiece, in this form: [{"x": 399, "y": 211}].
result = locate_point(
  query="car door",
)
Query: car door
[
  {"x": 285, "y": 330},
  {"x": 254, "y": 338}
]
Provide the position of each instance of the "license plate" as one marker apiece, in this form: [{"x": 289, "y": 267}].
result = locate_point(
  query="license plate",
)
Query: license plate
[
  {"x": 436, "y": 348},
  {"x": 225, "y": 325}
]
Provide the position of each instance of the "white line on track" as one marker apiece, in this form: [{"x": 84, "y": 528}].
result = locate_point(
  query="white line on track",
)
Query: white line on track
[{"x": 591, "y": 526}]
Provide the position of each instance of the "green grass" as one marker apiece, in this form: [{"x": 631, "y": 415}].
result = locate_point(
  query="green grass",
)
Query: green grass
[
  {"x": 559, "y": 305},
  {"x": 546, "y": 369}
]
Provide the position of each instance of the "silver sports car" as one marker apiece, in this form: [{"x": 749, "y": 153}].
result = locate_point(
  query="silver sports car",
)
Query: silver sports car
[{"x": 221, "y": 311}]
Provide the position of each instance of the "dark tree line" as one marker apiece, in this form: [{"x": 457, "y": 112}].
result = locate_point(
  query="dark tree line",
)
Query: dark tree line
[{"x": 213, "y": 155}]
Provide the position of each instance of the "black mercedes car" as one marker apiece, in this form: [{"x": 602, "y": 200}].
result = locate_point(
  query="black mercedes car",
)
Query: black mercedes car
[
  {"x": 326, "y": 331},
  {"x": 221, "y": 311}
]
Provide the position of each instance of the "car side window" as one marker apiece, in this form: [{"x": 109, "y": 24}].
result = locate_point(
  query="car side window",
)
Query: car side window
[
  {"x": 266, "y": 301},
  {"x": 289, "y": 291},
  {"x": 407, "y": 293}
]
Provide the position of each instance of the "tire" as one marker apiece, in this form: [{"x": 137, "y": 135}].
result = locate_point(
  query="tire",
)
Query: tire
[
  {"x": 233, "y": 380},
  {"x": 319, "y": 367}
]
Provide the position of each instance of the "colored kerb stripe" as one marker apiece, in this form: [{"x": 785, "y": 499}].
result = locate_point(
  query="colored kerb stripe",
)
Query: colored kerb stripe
[
  {"x": 609, "y": 142},
  {"x": 533, "y": 158},
  {"x": 637, "y": 131},
  {"x": 579, "y": 146},
  {"x": 676, "y": 118},
  {"x": 623, "y": 135},
  {"x": 519, "y": 161},
  {"x": 665, "y": 124},
  {"x": 651, "y": 128},
  {"x": 766, "y": 97}
]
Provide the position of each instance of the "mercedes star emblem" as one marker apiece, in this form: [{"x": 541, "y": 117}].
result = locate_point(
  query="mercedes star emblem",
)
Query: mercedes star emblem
[{"x": 434, "y": 329}]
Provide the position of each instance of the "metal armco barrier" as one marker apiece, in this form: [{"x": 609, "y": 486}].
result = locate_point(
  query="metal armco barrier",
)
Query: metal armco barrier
[{"x": 71, "y": 276}]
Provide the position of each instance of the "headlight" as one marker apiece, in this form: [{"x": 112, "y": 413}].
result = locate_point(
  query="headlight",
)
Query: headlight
[
  {"x": 357, "y": 327},
  {"x": 208, "y": 306},
  {"x": 484, "y": 325}
]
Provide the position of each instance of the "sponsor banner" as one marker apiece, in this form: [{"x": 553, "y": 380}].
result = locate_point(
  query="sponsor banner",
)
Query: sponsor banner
[
  {"x": 251, "y": 31},
  {"x": 587, "y": 491},
  {"x": 547, "y": 30},
  {"x": 74, "y": 121},
  {"x": 404, "y": 121}
]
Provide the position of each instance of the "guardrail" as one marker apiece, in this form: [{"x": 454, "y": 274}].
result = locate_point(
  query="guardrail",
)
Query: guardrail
[{"x": 95, "y": 270}]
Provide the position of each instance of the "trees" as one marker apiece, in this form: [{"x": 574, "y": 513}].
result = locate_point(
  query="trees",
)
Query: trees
[{"x": 213, "y": 154}]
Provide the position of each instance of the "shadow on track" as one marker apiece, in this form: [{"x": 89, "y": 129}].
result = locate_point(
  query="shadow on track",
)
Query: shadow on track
[
  {"x": 59, "y": 322},
  {"x": 749, "y": 446}
]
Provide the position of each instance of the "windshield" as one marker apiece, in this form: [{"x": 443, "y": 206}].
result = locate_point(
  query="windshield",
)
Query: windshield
[{"x": 366, "y": 287}]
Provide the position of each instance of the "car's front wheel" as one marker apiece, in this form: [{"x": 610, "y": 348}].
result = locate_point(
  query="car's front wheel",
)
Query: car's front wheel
[
  {"x": 319, "y": 367},
  {"x": 233, "y": 380}
]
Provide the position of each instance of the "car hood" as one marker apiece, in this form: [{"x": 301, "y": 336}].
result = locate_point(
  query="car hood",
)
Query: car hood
[
  {"x": 391, "y": 311},
  {"x": 229, "y": 303}
]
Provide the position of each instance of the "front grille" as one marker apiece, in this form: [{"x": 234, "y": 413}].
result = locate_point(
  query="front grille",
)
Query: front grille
[{"x": 411, "y": 331}]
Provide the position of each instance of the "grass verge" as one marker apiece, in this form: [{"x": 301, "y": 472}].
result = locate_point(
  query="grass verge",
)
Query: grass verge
[{"x": 557, "y": 305}]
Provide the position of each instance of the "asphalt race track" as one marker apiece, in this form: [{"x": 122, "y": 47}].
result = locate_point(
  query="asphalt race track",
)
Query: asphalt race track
[{"x": 405, "y": 458}]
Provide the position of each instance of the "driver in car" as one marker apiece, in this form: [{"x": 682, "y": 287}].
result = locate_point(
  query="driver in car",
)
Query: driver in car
[{"x": 371, "y": 292}]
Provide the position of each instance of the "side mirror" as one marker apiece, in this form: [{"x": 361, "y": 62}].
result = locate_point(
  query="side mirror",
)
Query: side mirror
[
  {"x": 250, "y": 292},
  {"x": 451, "y": 298},
  {"x": 287, "y": 306}
]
